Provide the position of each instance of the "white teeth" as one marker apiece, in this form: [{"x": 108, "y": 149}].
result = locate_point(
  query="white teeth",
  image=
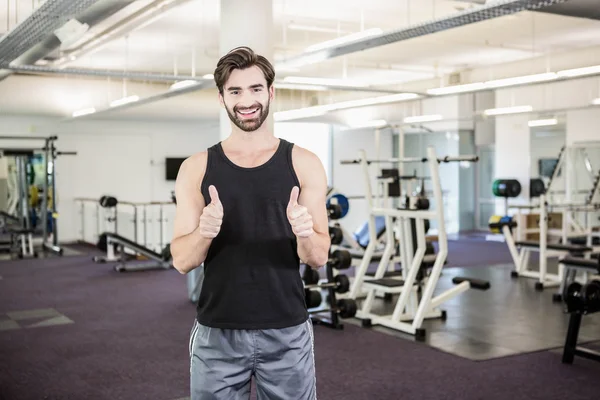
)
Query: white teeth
[{"x": 249, "y": 112}]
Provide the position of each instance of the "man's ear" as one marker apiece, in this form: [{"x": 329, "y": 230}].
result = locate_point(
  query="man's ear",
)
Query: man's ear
[
  {"x": 221, "y": 101},
  {"x": 272, "y": 92}
]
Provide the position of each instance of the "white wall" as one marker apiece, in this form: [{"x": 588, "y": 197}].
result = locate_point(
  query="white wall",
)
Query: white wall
[
  {"x": 583, "y": 125},
  {"x": 512, "y": 154}
]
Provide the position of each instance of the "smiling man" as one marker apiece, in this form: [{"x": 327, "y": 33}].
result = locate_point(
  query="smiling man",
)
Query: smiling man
[{"x": 250, "y": 208}]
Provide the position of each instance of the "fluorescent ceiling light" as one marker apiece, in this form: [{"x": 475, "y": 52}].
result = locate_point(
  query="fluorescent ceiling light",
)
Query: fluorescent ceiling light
[
  {"x": 307, "y": 59},
  {"x": 311, "y": 28},
  {"x": 392, "y": 98},
  {"x": 508, "y": 110},
  {"x": 208, "y": 76},
  {"x": 323, "y": 109},
  {"x": 543, "y": 122},
  {"x": 323, "y": 81},
  {"x": 345, "y": 39},
  {"x": 376, "y": 123},
  {"x": 299, "y": 113},
  {"x": 422, "y": 118},
  {"x": 124, "y": 100},
  {"x": 568, "y": 73},
  {"x": 596, "y": 102},
  {"x": 457, "y": 89},
  {"x": 519, "y": 80},
  {"x": 85, "y": 111},
  {"x": 294, "y": 86},
  {"x": 182, "y": 84}
]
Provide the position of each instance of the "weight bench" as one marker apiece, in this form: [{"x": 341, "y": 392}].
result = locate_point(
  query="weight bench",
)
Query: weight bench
[
  {"x": 113, "y": 240},
  {"x": 587, "y": 301},
  {"x": 521, "y": 250}
]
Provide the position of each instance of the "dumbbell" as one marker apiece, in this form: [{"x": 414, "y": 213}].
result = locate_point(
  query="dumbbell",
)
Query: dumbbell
[
  {"x": 340, "y": 259},
  {"x": 583, "y": 298},
  {"x": 341, "y": 284},
  {"x": 310, "y": 276},
  {"x": 336, "y": 234},
  {"x": 592, "y": 296},
  {"x": 346, "y": 308},
  {"x": 334, "y": 211},
  {"x": 313, "y": 298}
]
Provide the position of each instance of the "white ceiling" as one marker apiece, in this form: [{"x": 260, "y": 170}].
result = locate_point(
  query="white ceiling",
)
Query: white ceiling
[
  {"x": 169, "y": 43},
  {"x": 191, "y": 30}
]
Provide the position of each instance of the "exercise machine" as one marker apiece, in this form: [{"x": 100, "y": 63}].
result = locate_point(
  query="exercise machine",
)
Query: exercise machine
[
  {"x": 520, "y": 250},
  {"x": 22, "y": 203},
  {"x": 126, "y": 253},
  {"x": 405, "y": 317},
  {"x": 579, "y": 300}
]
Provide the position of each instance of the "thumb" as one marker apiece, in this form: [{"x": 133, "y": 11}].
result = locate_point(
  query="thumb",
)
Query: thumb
[
  {"x": 214, "y": 196},
  {"x": 294, "y": 197}
]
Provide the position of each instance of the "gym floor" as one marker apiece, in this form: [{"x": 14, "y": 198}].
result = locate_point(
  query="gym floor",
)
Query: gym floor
[{"x": 73, "y": 329}]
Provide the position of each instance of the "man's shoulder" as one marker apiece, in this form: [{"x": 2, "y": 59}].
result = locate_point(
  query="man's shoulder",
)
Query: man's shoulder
[
  {"x": 304, "y": 156},
  {"x": 194, "y": 166}
]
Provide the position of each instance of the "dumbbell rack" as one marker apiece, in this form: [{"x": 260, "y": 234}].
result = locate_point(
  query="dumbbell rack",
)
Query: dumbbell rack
[{"x": 328, "y": 316}]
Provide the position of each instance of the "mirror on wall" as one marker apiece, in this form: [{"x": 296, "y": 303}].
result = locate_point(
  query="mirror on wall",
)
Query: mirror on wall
[{"x": 547, "y": 137}]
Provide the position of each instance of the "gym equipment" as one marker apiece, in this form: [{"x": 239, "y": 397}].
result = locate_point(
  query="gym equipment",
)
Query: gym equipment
[
  {"x": 108, "y": 202},
  {"x": 580, "y": 299},
  {"x": 341, "y": 284},
  {"x": 310, "y": 276},
  {"x": 336, "y": 234},
  {"x": 334, "y": 211},
  {"x": 506, "y": 188},
  {"x": 406, "y": 317},
  {"x": 340, "y": 259},
  {"x": 498, "y": 222},
  {"x": 344, "y": 308},
  {"x": 520, "y": 252},
  {"x": 313, "y": 298},
  {"x": 49, "y": 203},
  {"x": 340, "y": 200},
  {"x": 362, "y": 235},
  {"x": 116, "y": 243},
  {"x": 536, "y": 187}
]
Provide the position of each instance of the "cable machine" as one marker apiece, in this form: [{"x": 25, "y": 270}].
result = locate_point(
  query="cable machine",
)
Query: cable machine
[{"x": 19, "y": 205}]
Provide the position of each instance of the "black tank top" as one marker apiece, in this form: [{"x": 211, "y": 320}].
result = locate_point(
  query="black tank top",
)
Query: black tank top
[{"x": 251, "y": 272}]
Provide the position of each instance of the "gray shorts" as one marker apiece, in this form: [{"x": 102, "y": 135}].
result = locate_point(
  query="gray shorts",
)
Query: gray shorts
[{"x": 223, "y": 361}]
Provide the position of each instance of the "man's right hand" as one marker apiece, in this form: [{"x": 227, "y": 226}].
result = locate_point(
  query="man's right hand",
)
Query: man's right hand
[{"x": 212, "y": 215}]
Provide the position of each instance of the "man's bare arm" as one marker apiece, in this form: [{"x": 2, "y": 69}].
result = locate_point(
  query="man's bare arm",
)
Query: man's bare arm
[
  {"x": 314, "y": 242},
  {"x": 192, "y": 237}
]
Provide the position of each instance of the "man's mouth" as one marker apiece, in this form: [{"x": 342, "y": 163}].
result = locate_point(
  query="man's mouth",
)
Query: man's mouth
[{"x": 249, "y": 113}]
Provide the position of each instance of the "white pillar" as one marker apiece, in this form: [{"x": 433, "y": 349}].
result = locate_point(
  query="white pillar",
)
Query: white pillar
[{"x": 246, "y": 23}]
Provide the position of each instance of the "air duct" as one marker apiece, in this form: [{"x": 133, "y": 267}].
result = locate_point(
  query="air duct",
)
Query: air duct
[
  {"x": 35, "y": 37},
  {"x": 491, "y": 10}
]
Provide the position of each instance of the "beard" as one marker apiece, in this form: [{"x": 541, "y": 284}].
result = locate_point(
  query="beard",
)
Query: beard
[{"x": 249, "y": 124}]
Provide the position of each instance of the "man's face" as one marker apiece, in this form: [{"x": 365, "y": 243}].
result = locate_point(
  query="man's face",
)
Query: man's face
[{"x": 246, "y": 98}]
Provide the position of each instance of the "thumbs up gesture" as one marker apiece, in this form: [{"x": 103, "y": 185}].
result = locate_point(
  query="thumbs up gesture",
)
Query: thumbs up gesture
[
  {"x": 300, "y": 220},
  {"x": 212, "y": 215}
]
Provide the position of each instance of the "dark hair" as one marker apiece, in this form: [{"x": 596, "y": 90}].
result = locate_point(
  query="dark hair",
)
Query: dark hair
[{"x": 242, "y": 58}]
